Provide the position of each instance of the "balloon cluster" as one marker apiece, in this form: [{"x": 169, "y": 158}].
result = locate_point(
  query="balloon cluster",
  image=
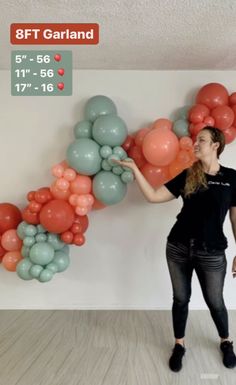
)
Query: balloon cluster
[
  {"x": 34, "y": 243},
  {"x": 44, "y": 253},
  {"x": 98, "y": 141}
]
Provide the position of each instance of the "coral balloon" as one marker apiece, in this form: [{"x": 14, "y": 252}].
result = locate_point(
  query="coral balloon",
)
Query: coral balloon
[
  {"x": 56, "y": 216},
  {"x": 79, "y": 239},
  {"x": 128, "y": 143},
  {"x": 2, "y": 251},
  {"x": 30, "y": 217},
  {"x": 83, "y": 222},
  {"x": 10, "y": 240},
  {"x": 230, "y": 134},
  {"x": 155, "y": 175},
  {"x": 97, "y": 205},
  {"x": 67, "y": 237},
  {"x": 160, "y": 147},
  {"x": 197, "y": 113},
  {"x": 140, "y": 135},
  {"x": 59, "y": 194},
  {"x": 10, "y": 217},
  {"x": 213, "y": 95},
  {"x": 136, "y": 154},
  {"x": 43, "y": 195},
  {"x": 224, "y": 117},
  {"x": 11, "y": 259},
  {"x": 209, "y": 121},
  {"x": 82, "y": 184},
  {"x": 175, "y": 168},
  {"x": 185, "y": 143},
  {"x": 163, "y": 124},
  {"x": 30, "y": 195},
  {"x": 232, "y": 99}
]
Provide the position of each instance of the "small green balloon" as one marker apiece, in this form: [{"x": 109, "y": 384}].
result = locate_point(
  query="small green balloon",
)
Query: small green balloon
[
  {"x": 65, "y": 250},
  {"x": 35, "y": 270},
  {"x": 45, "y": 276},
  {"x": 55, "y": 241},
  {"x": 41, "y": 237},
  {"x": 106, "y": 165},
  {"x": 99, "y": 105},
  {"x": 118, "y": 170},
  {"x": 41, "y": 229},
  {"x": 83, "y": 155},
  {"x": 120, "y": 152},
  {"x": 61, "y": 260},
  {"x": 30, "y": 230},
  {"x": 53, "y": 267},
  {"x": 23, "y": 268},
  {"x": 29, "y": 241},
  {"x": 21, "y": 230},
  {"x": 25, "y": 250},
  {"x": 105, "y": 151},
  {"x": 180, "y": 128},
  {"x": 127, "y": 177},
  {"x": 83, "y": 129},
  {"x": 111, "y": 158},
  {"x": 183, "y": 112},
  {"x": 108, "y": 188},
  {"x": 41, "y": 253},
  {"x": 110, "y": 130}
]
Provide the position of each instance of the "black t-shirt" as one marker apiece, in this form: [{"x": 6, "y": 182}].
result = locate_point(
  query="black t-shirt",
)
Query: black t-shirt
[{"x": 203, "y": 212}]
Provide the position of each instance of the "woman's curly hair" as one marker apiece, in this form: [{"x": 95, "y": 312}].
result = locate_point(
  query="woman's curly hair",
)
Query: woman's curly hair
[{"x": 196, "y": 177}]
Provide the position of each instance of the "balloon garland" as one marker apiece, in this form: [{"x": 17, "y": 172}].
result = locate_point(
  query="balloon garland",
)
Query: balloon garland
[{"x": 34, "y": 242}]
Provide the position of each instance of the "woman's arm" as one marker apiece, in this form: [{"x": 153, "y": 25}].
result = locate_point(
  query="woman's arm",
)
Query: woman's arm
[
  {"x": 232, "y": 216},
  {"x": 162, "y": 194}
]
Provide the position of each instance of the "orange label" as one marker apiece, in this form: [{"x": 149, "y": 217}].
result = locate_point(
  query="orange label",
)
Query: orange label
[{"x": 22, "y": 33}]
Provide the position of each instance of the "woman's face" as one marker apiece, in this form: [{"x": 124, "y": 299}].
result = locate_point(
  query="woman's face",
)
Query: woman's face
[{"x": 204, "y": 146}]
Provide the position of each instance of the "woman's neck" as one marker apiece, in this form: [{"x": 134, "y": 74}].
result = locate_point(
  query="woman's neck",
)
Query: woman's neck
[{"x": 211, "y": 167}]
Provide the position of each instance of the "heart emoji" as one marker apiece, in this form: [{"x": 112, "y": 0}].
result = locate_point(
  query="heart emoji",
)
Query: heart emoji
[
  {"x": 61, "y": 71},
  {"x": 60, "y": 86},
  {"x": 57, "y": 57}
]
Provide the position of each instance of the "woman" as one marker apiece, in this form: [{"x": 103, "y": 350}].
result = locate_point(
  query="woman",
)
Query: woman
[{"x": 196, "y": 241}]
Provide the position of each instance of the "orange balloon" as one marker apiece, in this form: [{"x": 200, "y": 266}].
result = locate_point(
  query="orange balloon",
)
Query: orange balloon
[
  {"x": 57, "y": 216},
  {"x": 209, "y": 121},
  {"x": 224, "y": 117},
  {"x": 97, "y": 205},
  {"x": 30, "y": 217},
  {"x": 175, "y": 168},
  {"x": 155, "y": 175},
  {"x": 11, "y": 259},
  {"x": 213, "y": 95},
  {"x": 82, "y": 184},
  {"x": 197, "y": 113},
  {"x": 183, "y": 157},
  {"x": 128, "y": 143},
  {"x": 136, "y": 154},
  {"x": 160, "y": 147},
  {"x": 232, "y": 99},
  {"x": 10, "y": 240},
  {"x": 10, "y": 217},
  {"x": 140, "y": 135},
  {"x": 197, "y": 128},
  {"x": 185, "y": 143},
  {"x": 163, "y": 124},
  {"x": 234, "y": 111}
]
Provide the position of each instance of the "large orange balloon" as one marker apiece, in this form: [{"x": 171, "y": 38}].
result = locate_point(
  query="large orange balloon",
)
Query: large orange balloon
[
  {"x": 10, "y": 240},
  {"x": 56, "y": 216},
  {"x": 197, "y": 113},
  {"x": 213, "y": 95},
  {"x": 10, "y": 217},
  {"x": 160, "y": 147},
  {"x": 11, "y": 259},
  {"x": 224, "y": 117},
  {"x": 163, "y": 124},
  {"x": 230, "y": 134},
  {"x": 155, "y": 175}
]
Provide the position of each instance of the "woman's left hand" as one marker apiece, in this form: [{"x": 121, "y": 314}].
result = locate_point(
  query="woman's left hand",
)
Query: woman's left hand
[{"x": 234, "y": 267}]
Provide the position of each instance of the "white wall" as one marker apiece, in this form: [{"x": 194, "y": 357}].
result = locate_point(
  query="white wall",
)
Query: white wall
[{"x": 122, "y": 264}]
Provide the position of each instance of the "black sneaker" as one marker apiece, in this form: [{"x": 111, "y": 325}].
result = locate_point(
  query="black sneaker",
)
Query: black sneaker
[
  {"x": 175, "y": 361},
  {"x": 229, "y": 358}
]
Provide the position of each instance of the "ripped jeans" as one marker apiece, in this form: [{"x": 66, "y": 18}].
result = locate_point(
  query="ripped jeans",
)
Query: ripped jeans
[{"x": 210, "y": 267}]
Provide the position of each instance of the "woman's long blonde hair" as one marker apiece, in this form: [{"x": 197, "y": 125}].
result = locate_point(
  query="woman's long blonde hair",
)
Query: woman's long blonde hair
[{"x": 196, "y": 177}]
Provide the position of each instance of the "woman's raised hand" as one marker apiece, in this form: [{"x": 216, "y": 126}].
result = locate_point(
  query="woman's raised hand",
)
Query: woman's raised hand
[{"x": 126, "y": 163}]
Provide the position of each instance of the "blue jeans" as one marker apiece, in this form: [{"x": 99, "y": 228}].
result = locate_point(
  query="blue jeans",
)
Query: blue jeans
[{"x": 210, "y": 267}]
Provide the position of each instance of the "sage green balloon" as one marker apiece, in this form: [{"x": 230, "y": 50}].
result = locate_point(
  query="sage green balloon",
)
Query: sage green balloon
[
  {"x": 41, "y": 237},
  {"x": 45, "y": 276},
  {"x": 99, "y": 105},
  {"x": 83, "y": 155},
  {"x": 61, "y": 260},
  {"x": 30, "y": 230},
  {"x": 66, "y": 250},
  {"x": 127, "y": 177},
  {"x": 53, "y": 267},
  {"x": 120, "y": 152},
  {"x": 105, "y": 151},
  {"x": 106, "y": 165},
  {"x": 110, "y": 159},
  {"x": 25, "y": 250},
  {"x": 21, "y": 230},
  {"x": 35, "y": 270},
  {"x": 23, "y": 269},
  {"x": 108, "y": 188},
  {"x": 41, "y": 253},
  {"x": 182, "y": 112},
  {"x": 41, "y": 229},
  {"x": 118, "y": 170},
  {"x": 110, "y": 130},
  {"x": 180, "y": 128},
  {"x": 55, "y": 241},
  {"x": 83, "y": 129},
  {"x": 29, "y": 241}
]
